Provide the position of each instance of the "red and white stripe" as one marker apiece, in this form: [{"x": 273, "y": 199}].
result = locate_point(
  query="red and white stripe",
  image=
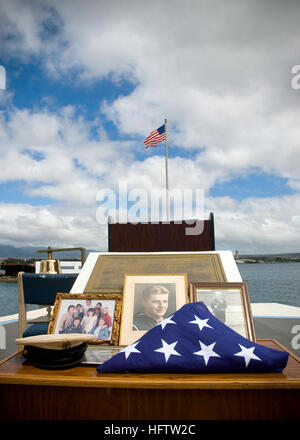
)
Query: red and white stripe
[{"x": 154, "y": 138}]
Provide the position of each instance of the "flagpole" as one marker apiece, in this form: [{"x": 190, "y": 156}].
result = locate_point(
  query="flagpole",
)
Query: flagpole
[{"x": 167, "y": 177}]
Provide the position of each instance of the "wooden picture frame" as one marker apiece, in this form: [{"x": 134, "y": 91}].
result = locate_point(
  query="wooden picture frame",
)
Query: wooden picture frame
[
  {"x": 147, "y": 300},
  {"x": 79, "y": 313},
  {"x": 229, "y": 302}
]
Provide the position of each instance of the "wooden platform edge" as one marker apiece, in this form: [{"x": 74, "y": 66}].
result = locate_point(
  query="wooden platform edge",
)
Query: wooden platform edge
[
  {"x": 282, "y": 347},
  {"x": 10, "y": 356}
]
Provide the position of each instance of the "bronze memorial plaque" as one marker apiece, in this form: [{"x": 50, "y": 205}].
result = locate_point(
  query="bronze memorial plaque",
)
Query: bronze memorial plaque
[{"x": 109, "y": 271}]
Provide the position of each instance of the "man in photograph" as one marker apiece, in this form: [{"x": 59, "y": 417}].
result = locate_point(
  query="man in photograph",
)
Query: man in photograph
[
  {"x": 87, "y": 306},
  {"x": 75, "y": 326},
  {"x": 219, "y": 307},
  {"x": 66, "y": 319},
  {"x": 155, "y": 301}
]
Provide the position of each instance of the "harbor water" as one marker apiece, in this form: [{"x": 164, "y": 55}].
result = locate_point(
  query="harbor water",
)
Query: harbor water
[
  {"x": 267, "y": 283},
  {"x": 272, "y": 282},
  {"x": 9, "y": 299}
]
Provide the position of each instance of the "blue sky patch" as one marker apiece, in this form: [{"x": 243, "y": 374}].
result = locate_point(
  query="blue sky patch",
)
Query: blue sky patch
[
  {"x": 13, "y": 192},
  {"x": 32, "y": 88},
  {"x": 258, "y": 185},
  {"x": 38, "y": 156}
]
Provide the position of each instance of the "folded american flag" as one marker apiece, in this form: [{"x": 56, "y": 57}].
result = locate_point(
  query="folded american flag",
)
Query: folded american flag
[
  {"x": 192, "y": 340},
  {"x": 155, "y": 137}
]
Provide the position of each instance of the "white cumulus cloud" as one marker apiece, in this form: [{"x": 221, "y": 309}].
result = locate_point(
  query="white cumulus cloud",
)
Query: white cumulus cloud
[{"x": 219, "y": 71}]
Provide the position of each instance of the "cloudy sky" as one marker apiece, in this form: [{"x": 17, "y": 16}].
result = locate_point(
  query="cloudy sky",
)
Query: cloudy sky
[{"x": 87, "y": 81}]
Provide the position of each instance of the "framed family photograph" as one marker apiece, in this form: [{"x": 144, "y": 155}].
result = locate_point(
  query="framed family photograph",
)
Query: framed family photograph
[
  {"x": 228, "y": 302},
  {"x": 88, "y": 313},
  {"x": 147, "y": 300}
]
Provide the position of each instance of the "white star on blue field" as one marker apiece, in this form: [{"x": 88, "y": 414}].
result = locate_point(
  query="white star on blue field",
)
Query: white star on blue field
[
  {"x": 180, "y": 347},
  {"x": 87, "y": 83}
]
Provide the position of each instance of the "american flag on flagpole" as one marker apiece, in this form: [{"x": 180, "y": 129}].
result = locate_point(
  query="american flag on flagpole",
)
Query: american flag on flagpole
[{"x": 155, "y": 137}]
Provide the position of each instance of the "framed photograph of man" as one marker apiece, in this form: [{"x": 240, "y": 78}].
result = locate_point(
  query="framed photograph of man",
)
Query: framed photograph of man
[
  {"x": 228, "y": 302},
  {"x": 88, "y": 313},
  {"x": 147, "y": 300}
]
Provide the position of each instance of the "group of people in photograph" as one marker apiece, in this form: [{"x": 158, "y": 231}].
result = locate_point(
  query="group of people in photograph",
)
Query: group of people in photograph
[{"x": 87, "y": 319}]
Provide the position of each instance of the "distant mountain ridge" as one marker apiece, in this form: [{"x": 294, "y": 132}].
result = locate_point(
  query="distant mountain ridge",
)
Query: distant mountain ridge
[
  {"x": 28, "y": 252},
  {"x": 281, "y": 255}
]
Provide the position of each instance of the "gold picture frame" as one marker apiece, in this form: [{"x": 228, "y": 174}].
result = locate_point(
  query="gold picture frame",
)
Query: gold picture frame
[
  {"x": 229, "y": 302},
  {"x": 72, "y": 314},
  {"x": 147, "y": 300}
]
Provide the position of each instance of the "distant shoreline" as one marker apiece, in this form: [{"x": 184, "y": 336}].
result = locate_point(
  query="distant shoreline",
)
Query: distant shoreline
[
  {"x": 266, "y": 260},
  {"x": 5, "y": 279}
]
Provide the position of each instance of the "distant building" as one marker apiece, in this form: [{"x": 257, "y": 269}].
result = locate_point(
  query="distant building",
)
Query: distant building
[
  {"x": 237, "y": 255},
  {"x": 12, "y": 269}
]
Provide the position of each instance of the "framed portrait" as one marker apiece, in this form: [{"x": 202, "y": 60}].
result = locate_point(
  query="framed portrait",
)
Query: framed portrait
[
  {"x": 228, "y": 302},
  {"x": 88, "y": 313},
  {"x": 147, "y": 300}
]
